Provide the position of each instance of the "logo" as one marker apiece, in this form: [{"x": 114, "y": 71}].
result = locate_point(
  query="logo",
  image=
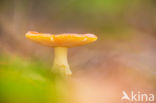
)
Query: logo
[{"x": 137, "y": 96}]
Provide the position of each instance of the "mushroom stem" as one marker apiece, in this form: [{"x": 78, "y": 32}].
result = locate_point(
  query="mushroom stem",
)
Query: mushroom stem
[{"x": 60, "y": 60}]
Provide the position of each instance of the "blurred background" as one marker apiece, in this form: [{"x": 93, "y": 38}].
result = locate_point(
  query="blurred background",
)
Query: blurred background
[{"x": 122, "y": 59}]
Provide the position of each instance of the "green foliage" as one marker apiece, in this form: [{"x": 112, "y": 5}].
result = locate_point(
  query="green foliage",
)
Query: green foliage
[
  {"x": 23, "y": 81},
  {"x": 99, "y": 6}
]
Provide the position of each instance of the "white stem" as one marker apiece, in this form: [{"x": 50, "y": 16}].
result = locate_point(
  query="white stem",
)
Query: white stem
[{"x": 60, "y": 60}]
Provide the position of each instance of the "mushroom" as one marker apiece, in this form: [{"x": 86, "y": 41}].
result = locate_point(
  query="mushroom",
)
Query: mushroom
[{"x": 61, "y": 43}]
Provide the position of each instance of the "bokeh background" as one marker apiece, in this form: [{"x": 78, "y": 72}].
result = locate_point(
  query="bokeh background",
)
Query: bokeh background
[{"x": 123, "y": 57}]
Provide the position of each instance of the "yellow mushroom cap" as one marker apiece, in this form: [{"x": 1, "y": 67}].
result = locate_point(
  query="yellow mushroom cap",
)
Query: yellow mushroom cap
[{"x": 61, "y": 40}]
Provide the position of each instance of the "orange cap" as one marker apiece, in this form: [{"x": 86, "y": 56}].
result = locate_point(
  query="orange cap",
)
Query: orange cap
[{"x": 61, "y": 40}]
